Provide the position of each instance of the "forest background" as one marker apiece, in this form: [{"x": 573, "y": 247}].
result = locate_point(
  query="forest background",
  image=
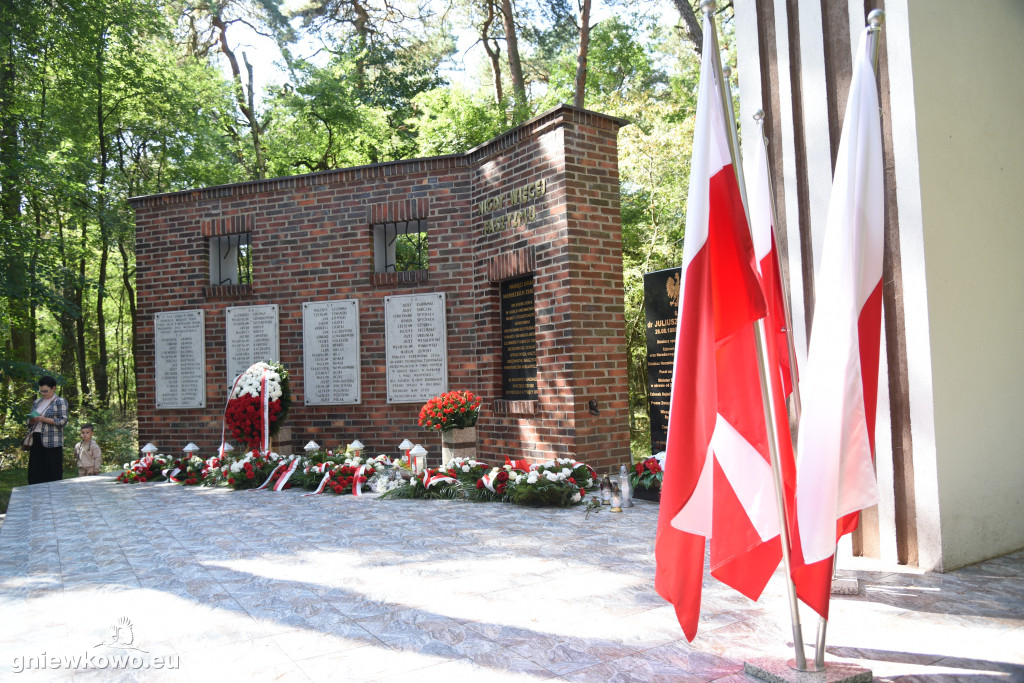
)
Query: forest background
[{"x": 102, "y": 100}]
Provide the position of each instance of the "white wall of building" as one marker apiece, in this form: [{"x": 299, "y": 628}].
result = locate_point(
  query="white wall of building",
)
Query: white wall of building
[{"x": 968, "y": 110}]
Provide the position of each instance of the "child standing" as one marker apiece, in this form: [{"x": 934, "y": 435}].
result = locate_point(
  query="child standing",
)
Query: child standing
[{"x": 88, "y": 453}]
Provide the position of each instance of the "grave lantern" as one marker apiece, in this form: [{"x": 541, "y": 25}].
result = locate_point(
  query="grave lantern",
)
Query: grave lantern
[
  {"x": 149, "y": 449},
  {"x": 406, "y": 445},
  {"x": 357, "y": 447},
  {"x": 311, "y": 447},
  {"x": 417, "y": 457}
]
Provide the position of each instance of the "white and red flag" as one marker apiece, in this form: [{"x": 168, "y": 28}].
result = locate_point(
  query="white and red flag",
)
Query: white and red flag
[
  {"x": 835, "y": 476},
  {"x": 717, "y": 482},
  {"x": 766, "y": 251}
]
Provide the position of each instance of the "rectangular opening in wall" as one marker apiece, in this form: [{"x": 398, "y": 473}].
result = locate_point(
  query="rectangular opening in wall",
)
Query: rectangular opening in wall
[
  {"x": 400, "y": 246},
  {"x": 231, "y": 259},
  {"x": 518, "y": 340}
]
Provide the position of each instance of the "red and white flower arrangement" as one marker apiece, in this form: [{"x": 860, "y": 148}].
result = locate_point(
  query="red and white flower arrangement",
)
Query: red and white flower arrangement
[
  {"x": 146, "y": 468},
  {"x": 258, "y": 404},
  {"x": 248, "y": 471},
  {"x": 187, "y": 470}
]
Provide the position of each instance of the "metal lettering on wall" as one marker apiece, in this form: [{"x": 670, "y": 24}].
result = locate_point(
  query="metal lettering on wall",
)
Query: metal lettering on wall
[
  {"x": 251, "y": 337},
  {"x": 179, "y": 338},
  {"x": 518, "y": 340},
  {"x": 416, "y": 343},
  {"x": 661, "y": 310},
  {"x": 330, "y": 352},
  {"x": 515, "y": 196}
]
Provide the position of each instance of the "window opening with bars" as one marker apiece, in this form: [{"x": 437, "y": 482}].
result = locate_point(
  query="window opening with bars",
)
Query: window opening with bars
[
  {"x": 231, "y": 259},
  {"x": 400, "y": 246}
]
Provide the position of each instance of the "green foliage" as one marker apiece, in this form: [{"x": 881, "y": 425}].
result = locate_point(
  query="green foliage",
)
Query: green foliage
[{"x": 450, "y": 120}]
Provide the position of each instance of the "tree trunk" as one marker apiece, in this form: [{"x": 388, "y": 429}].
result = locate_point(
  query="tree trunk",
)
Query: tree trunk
[
  {"x": 64, "y": 318},
  {"x": 581, "y": 59},
  {"x": 83, "y": 373},
  {"x": 244, "y": 101},
  {"x": 515, "y": 67},
  {"x": 100, "y": 369},
  {"x": 691, "y": 24},
  {"x": 15, "y": 276},
  {"x": 493, "y": 52},
  {"x": 127, "y": 273}
]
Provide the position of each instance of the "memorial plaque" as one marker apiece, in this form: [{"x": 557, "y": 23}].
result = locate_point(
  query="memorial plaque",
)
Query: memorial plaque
[
  {"x": 416, "y": 343},
  {"x": 251, "y": 337},
  {"x": 518, "y": 340},
  {"x": 179, "y": 338},
  {"x": 661, "y": 310},
  {"x": 330, "y": 352}
]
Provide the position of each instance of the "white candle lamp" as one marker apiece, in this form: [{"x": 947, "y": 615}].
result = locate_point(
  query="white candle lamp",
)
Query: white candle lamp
[
  {"x": 149, "y": 449},
  {"x": 416, "y": 458},
  {"x": 406, "y": 446},
  {"x": 190, "y": 448},
  {"x": 226, "y": 447},
  {"x": 356, "y": 446},
  {"x": 310, "y": 447}
]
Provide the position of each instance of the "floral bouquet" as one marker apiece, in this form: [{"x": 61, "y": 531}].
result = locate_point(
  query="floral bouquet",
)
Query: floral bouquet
[
  {"x": 187, "y": 470},
  {"x": 146, "y": 468},
  {"x": 646, "y": 474},
  {"x": 467, "y": 470},
  {"x": 245, "y": 412},
  {"x": 211, "y": 474},
  {"x": 440, "y": 483},
  {"x": 562, "y": 482},
  {"x": 249, "y": 471},
  {"x": 338, "y": 473},
  {"x": 454, "y": 410}
]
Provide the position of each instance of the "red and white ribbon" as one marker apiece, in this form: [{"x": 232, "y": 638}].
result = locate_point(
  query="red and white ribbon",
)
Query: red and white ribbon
[
  {"x": 429, "y": 480},
  {"x": 266, "y": 410},
  {"x": 357, "y": 486},
  {"x": 276, "y": 470},
  {"x": 323, "y": 483},
  {"x": 488, "y": 481},
  {"x": 171, "y": 474},
  {"x": 279, "y": 486}
]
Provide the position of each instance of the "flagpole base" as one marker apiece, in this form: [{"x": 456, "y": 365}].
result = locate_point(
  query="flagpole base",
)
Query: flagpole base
[
  {"x": 845, "y": 585},
  {"x": 779, "y": 671},
  {"x": 812, "y": 667}
]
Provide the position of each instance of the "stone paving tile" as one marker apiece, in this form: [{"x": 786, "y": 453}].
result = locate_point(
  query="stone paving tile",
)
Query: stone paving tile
[{"x": 273, "y": 586}]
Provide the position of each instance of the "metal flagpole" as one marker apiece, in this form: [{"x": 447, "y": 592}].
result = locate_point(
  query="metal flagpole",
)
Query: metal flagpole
[
  {"x": 759, "y": 118},
  {"x": 708, "y": 7}
]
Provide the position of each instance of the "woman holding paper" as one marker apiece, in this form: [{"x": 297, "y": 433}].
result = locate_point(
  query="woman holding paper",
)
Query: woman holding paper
[{"x": 46, "y": 429}]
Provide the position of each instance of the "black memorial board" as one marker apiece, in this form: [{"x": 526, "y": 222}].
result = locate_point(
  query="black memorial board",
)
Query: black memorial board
[
  {"x": 518, "y": 340},
  {"x": 661, "y": 310}
]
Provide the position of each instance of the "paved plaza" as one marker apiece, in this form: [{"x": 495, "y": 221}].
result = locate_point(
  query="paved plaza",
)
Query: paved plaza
[{"x": 267, "y": 586}]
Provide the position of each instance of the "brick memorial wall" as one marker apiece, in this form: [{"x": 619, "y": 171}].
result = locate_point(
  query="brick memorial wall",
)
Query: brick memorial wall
[{"x": 538, "y": 205}]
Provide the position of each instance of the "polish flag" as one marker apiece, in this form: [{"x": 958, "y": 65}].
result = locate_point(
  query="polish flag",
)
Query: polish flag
[
  {"x": 835, "y": 476},
  {"x": 766, "y": 251},
  {"x": 717, "y": 482}
]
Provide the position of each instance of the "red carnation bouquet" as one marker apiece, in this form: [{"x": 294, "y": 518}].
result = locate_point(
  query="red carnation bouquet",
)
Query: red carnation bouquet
[
  {"x": 245, "y": 411},
  {"x": 454, "y": 410},
  {"x": 646, "y": 474}
]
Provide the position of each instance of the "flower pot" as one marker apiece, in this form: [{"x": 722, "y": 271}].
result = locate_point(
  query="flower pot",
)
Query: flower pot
[
  {"x": 647, "y": 494},
  {"x": 458, "y": 443}
]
